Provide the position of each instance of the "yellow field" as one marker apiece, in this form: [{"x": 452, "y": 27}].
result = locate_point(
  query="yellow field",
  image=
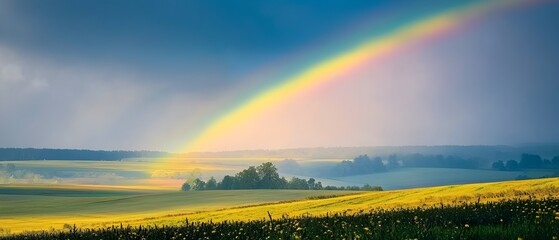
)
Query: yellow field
[
  {"x": 173, "y": 208},
  {"x": 42, "y": 207},
  {"x": 419, "y": 197}
]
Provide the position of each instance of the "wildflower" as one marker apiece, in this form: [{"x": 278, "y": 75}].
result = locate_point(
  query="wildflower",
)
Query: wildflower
[
  {"x": 467, "y": 225},
  {"x": 366, "y": 228}
]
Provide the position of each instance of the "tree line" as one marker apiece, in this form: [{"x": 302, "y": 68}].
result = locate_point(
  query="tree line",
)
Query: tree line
[
  {"x": 527, "y": 161},
  {"x": 363, "y": 164},
  {"x": 264, "y": 176},
  {"x": 19, "y": 154}
]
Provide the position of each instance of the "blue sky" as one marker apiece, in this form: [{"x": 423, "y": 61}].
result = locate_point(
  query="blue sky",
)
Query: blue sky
[{"x": 145, "y": 74}]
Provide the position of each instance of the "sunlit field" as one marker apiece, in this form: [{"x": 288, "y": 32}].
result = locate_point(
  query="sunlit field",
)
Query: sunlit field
[
  {"x": 507, "y": 219},
  {"x": 419, "y": 197},
  {"x": 39, "y": 207},
  {"x": 44, "y": 208}
]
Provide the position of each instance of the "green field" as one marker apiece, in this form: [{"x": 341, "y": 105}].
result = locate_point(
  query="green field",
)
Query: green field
[
  {"x": 510, "y": 219},
  {"x": 33, "y": 207},
  {"x": 54, "y": 206}
]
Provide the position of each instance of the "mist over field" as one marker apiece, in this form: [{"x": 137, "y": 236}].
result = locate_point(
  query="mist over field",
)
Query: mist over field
[
  {"x": 279, "y": 119},
  {"x": 388, "y": 167}
]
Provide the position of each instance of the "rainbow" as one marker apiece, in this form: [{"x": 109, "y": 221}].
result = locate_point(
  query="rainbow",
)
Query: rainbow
[{"x": 367, "y": 49}]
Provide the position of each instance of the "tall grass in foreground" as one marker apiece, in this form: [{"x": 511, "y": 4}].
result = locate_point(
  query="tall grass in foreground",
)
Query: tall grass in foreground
[{"x": 510, "y": 219}]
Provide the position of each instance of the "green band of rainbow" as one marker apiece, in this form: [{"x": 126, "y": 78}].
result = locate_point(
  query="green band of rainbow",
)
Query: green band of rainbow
[{"x": 329, "y": 69}]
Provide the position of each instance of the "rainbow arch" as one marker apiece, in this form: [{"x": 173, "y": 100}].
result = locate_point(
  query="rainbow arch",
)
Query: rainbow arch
[{"x": 397, "y": 38}]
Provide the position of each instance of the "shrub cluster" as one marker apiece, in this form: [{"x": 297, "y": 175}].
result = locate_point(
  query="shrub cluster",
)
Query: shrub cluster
[{"x": 265, "y": 176}]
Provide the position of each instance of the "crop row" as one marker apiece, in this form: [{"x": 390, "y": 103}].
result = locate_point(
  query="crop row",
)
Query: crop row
[{"x": 511, "y": 219}]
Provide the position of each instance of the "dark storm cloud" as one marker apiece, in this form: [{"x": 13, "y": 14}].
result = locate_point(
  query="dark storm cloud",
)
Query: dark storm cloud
[{"x": 179, "y": 41}]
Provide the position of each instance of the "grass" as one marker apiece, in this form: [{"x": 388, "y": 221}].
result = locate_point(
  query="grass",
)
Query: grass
[
  {"x": 105, "y": 206},
  {"x": 355, "y": 203},
  {"x": 40, "y": 207},
  {"x": 57, "y": 205},
  {"x": 509, "y": 219}
]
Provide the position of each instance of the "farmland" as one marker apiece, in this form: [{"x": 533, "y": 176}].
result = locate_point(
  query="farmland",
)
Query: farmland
[
  {"x": 510, "y": 219},
  {"x": 54, "y": 206},
  {"x": 102, "y": 207},
  {"x": 355, "y": 203},
  {"x": 143, "y": 192}
]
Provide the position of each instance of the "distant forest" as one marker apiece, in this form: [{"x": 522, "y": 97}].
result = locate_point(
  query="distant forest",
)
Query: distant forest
[
  {"x": 364, "y": 164},
  {"x": 21, "y": 154}
]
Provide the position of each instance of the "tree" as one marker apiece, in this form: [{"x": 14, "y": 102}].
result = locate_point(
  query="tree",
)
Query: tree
[
  {"x": 555, "y": 161},
  {"x": 546, "y": 163},
  {"x": 368, "y": 187},
  {"x": 499, "y": 165},
  {"x": 311, "y": 183},
  {"x": 343, "y": 169},
  {"x": 185, "y": 187},
  {"x": 269, "y": 177},
  {"x": 298, "y": 183},
  {"x": 512, "y": 165},
  {"x": 530, "y": 161},
  {"x": 198, "y": 184},
  {"x": 362, "y": 165},
  {"x": 192, "y": 176},
  {"x": 377, "y": 165},
  {"x": 283, "y": 183},
  {"x": 393, "y": 161},
  {"x": 211, "y": 184},
  {"x": 318, "y": 186},
  {"x": 247, "y": 179},
  {"x": 227, "y": 183}
]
